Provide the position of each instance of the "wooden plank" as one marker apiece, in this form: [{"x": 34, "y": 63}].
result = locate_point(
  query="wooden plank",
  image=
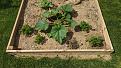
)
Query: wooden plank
[{"x": 42, "y": 51}]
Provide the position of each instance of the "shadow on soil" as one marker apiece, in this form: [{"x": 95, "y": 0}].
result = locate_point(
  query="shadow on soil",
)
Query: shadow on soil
[{"x": 19, "y": 26}]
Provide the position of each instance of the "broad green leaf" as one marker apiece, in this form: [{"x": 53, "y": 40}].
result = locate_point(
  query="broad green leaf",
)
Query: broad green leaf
[
  {"x": 46, "y": 14},
  {"x": 58, "y": 32},
  {"x": 50, "y": 4},
  {"x": 68, "y": 16},
  {"x": 71, "y": 23},
  {"x": 54, "y": 11},
  {"x": 51, "y": 13},
  {"x": 41, "y": 25},
  {"x": 67, "y": 8}
]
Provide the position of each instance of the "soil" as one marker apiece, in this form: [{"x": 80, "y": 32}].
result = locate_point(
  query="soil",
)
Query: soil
[{"x": 86, "y": 11}]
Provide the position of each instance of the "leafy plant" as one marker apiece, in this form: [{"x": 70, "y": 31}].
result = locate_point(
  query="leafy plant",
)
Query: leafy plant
[
  {"x": 42, "y": 25},
  {"x": 96, "y": 41},
  {"x": 46, "y": 4},
  {"x": 52, "y": 14},
  {"x": 26, "y": 30},
  {"x": 64, "y": 11},
  {"x": 60, "y": 17},
  {"x": 58, "y": 32},
  {"x": 39, "y": 39},
  {"x": 85, "y": 26}
]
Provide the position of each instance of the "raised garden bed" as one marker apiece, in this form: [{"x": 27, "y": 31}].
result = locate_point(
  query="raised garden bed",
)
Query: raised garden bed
[{"x": 74, "y": 28}]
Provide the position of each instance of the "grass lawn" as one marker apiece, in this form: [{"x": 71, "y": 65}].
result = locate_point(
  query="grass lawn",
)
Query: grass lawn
[{"x": 112, "y": 14}]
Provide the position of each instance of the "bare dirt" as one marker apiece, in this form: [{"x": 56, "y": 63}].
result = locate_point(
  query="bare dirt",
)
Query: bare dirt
[{"x": 86, "y": 11}]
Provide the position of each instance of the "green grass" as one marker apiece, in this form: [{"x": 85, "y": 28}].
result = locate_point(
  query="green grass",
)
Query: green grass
[{"x": 112, "y": 14}]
